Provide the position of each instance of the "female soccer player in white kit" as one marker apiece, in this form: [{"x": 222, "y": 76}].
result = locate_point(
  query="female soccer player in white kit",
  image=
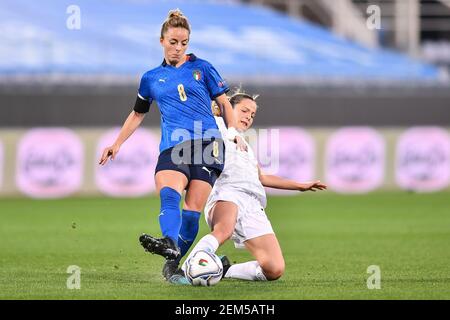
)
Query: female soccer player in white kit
[{"x": 235, "y": 207}]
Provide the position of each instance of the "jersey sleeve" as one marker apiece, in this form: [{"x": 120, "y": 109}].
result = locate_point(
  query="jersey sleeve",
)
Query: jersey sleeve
[
  {"x": 144, "y": 98},
  {"x": 215, "y": 83},
  {"x": 221, "y": 125}
]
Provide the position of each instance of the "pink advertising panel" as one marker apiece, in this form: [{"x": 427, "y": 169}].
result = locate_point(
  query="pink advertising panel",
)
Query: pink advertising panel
[
  {"x": 423, "y": 159},
  {"x": 288, "y": 152},
  {"x": 131, "y": 173},
  {"x": 49, "y": 163},
  {"x": 355, "y": 159}
]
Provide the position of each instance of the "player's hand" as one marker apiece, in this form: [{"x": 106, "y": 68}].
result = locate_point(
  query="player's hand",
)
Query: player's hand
[
  {"x": 109, "y": 152},
  {"x": 312, "y": 186},
  {"x": 240, "y": 143}
]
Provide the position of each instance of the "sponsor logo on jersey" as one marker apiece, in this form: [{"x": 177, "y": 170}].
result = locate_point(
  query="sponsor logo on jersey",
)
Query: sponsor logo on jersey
[{"x": 197, "y": 75}]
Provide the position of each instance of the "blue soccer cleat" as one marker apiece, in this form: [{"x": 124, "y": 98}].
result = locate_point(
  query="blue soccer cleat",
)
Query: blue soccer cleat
[{"x": 179, "y": 279}]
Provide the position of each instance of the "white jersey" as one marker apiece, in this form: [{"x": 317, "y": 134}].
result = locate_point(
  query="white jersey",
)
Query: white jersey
[{"x": 240, "y": 172}]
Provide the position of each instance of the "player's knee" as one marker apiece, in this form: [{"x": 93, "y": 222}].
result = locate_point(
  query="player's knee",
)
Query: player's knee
[
  {"x": 274, "y": 273},
  {"x": 193, "y": 206},
  {"x": 273, "y": 270}
]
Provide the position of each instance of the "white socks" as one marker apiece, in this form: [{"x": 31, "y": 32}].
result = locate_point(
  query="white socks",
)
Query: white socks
[
  {"x": 246, "y": 271},
  {"x": 208, "y": 243}
]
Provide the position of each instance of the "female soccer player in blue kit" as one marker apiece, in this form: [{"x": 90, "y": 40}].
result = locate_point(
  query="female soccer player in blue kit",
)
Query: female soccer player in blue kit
[{"x": 191, "y": 150}]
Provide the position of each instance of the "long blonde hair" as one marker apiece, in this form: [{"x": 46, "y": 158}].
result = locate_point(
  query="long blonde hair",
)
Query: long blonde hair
[{"x": 237, "y": 96}]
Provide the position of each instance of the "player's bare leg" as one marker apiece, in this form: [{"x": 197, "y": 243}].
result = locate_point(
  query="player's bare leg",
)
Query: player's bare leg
[
  {"x": 196, "y": 195},
  {"x": 223, "y": 218},
  {"x": 269, "y": 264},
  {"x": 172, "y": 179},
  {"x": 267, "y": 251}
]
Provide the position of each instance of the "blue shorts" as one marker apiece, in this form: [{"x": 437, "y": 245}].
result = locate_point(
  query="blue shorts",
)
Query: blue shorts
[{"x": 196, "y": 159}]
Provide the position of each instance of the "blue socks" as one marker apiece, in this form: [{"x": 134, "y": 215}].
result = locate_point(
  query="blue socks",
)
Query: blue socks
[
  {"x": 169, "y": 217},
  {"x": 188, "y": 230},
  {"x": 182, "y": 229}
]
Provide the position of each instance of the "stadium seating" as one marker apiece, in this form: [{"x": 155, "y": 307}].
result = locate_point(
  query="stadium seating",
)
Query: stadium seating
[{"x": 121, "y": 38}]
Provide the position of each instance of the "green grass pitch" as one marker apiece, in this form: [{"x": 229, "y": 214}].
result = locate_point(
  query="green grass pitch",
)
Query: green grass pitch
[{"x": 328, "y": 240}]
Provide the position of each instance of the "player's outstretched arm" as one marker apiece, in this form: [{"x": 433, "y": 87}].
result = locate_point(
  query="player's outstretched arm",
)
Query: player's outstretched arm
[
  {"x": 272, "y": 181},
  {"x": 226, "y": 110},
  {"x": 131, "y": 124}
]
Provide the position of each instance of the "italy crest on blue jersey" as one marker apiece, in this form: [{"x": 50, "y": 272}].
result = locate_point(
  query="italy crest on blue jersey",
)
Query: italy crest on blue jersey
[{"x": 184, "y": 96}]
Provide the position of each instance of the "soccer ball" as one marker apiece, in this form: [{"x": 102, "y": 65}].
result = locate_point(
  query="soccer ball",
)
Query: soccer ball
[{"x": 203, "y": 269}]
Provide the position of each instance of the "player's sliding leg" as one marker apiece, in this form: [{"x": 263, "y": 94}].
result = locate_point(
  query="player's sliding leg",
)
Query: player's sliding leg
[
  {"x": 250, "y": 270},
  {"x": 269, "y": 264},
  {"x": 222, "y": 219},
  {"x": 209, "y": 243},
  {"x": 170, "y": 184}
]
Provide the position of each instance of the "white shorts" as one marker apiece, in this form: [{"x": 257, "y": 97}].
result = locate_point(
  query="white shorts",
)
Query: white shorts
[{"x": 251, "y": 221}]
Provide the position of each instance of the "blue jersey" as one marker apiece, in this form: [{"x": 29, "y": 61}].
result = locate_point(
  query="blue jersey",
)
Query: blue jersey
[{"x": 184, "y": 97}]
